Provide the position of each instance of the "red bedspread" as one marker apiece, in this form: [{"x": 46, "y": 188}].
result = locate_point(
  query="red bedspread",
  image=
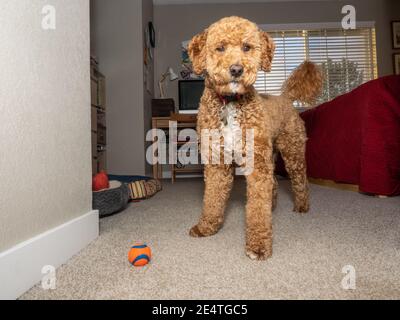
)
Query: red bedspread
[{"x": 356, "y": 138}]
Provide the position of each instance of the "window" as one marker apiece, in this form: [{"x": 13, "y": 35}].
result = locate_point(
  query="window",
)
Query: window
[{"x": 347, "y": 57}]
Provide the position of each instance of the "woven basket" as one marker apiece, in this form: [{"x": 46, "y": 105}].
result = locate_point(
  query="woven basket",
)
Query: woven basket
[{"x": 111, "y": 201}]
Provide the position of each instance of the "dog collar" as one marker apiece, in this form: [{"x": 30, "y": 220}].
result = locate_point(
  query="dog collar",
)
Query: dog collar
[{"x": 230, "y": 98}]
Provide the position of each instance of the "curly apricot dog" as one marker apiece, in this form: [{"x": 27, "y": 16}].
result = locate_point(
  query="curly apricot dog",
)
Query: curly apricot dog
[{"x": 230, "y": 53}]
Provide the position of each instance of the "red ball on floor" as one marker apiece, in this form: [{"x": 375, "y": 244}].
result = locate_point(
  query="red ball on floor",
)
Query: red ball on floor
[{"x": 100, "y": 181}]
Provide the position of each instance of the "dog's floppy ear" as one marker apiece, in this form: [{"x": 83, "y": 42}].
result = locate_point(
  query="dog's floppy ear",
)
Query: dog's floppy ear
[
  {"x": 197, "y": 52},
  {"x": 267, "y": 51}
]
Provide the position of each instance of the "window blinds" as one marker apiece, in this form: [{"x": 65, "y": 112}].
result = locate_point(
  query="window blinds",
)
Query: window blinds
[{"x": 347, "y": 58}]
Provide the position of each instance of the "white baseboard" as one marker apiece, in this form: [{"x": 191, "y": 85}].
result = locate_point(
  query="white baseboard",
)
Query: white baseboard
[{"x": 21, "y": 266}]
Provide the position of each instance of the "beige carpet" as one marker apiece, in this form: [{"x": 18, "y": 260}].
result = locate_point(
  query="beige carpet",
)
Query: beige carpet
[{"x": 343, "y": 228}]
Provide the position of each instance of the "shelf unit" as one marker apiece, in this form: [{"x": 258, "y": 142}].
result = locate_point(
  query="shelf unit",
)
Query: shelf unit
[
  {"x": 98, "y": 112},
  {"x": 183, "y": 122}
]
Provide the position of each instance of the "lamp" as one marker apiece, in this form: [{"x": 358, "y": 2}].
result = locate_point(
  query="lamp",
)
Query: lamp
[{"x": 172, "y": 77}]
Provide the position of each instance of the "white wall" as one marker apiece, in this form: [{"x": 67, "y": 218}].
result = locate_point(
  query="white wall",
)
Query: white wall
[{"x": 45, "y": 160}]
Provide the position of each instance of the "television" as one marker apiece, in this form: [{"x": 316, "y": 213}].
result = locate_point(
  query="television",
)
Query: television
[{"x": 190, "y": 93}]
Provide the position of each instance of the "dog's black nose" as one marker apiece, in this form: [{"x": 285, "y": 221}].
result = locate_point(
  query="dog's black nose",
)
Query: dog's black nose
[{"x": 236, "y": 70}]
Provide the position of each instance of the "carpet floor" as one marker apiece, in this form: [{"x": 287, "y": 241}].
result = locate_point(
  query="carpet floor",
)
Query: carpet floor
[{"x": 310, "y": 251}]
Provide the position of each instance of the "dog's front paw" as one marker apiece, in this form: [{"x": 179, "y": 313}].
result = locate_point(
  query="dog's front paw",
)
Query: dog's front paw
[
  {"x": 301, "y": 207},
  {"x": 196, "y": 232},
  {"x": 260, "y": 253}
]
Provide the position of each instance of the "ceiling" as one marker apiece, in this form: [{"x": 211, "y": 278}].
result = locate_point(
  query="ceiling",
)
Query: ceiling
[{"x": 168, "y": 2}]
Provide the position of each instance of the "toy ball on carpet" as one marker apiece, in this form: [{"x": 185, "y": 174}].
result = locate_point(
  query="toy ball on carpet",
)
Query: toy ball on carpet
[{"x": 139, "y": 255}]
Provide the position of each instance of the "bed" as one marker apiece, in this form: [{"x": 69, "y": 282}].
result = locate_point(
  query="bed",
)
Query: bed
[{"x": 355, "y": 138}]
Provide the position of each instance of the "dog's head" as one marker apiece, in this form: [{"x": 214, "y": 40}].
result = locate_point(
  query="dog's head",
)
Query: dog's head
[{"x": 230, "y": 53}]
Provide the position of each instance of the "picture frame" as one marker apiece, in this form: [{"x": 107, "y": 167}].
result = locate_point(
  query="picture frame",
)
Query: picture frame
[
  {"x": 396, "y": 34},
  {"x": 396, "y": 63}
]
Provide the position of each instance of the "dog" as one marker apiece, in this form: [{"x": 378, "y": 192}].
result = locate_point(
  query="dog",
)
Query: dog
[{"x": 229, "y": 55}]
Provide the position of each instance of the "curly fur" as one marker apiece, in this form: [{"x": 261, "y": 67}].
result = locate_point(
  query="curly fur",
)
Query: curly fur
[
  {"x": 276, "y": 125},
  {"x": 305, "y": 83}
]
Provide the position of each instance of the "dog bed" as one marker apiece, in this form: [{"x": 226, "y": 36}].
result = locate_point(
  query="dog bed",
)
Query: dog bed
[{"x": 112, "y": 200}]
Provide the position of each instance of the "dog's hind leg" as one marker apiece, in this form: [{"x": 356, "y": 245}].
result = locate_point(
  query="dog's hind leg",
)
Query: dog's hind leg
[
  {"x": 292, "y": 145},
  {"x": 218, "y": 185}
]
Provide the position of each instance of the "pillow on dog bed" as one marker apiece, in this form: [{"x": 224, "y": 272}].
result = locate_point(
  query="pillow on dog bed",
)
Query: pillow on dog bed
[{"x": 140, "y": 188}]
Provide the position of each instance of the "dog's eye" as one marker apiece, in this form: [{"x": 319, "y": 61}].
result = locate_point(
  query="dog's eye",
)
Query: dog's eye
[
  {"x": 220, "y": 49},
  {"x": 246, "y": 48}
]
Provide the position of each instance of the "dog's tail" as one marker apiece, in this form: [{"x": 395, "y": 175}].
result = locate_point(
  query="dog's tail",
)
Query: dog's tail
[{"x": 305, "y": 83}]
